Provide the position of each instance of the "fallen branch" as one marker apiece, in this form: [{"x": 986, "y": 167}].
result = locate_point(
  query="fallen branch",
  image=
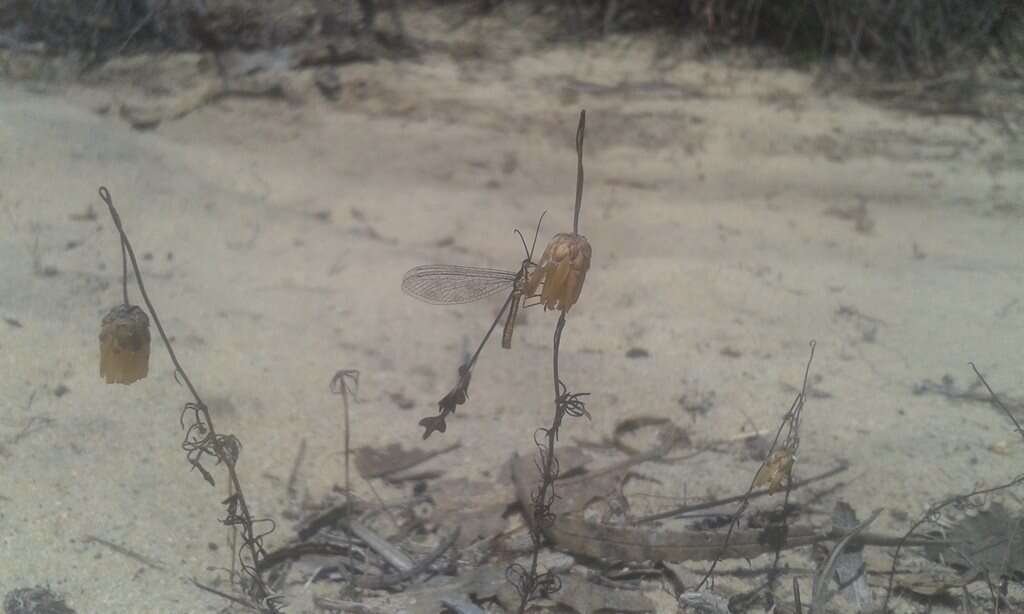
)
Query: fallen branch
[{"x": 572, "y": 534}]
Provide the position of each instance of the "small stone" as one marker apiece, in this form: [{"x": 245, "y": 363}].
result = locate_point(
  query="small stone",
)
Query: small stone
[{"x": 38, "y": 600}]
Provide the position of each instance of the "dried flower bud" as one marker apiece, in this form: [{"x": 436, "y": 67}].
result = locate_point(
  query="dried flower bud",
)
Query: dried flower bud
[
  {"x": 124, "y": 345},
  {"x": 775, "y": 470},
  {"x": 561, "y": 271}
]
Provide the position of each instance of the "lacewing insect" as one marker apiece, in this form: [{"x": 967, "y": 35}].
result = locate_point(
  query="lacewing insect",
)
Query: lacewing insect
[
  {"x": 444, "y": 284},
  {"x": 441, "y": 284}
]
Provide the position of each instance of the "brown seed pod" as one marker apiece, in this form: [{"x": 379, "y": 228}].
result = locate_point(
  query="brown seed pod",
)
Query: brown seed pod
[
  {"x": 561, "y": 272},
  {"x": 124, "y": 345}
]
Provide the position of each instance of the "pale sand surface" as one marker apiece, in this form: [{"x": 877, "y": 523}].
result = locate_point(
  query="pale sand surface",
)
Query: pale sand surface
[{"x": 275, "y": 236}]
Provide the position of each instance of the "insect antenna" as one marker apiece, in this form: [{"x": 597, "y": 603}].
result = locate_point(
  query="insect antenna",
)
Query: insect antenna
[
  {"x": 537, "y": 232},
  {"x": 529, "y": 255},
  {"x": 529, "y": 251}
]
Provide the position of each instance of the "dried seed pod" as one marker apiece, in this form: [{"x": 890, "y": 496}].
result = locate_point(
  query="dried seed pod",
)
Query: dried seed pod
[
  {"x": 561, "y": 272},
  {"x": 775, "y": 470},
  {"x": 124, "y": 345}
]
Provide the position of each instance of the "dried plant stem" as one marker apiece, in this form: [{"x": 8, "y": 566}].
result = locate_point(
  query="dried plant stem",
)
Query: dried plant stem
[
  {"x": 232, "y": 537},
  {"x": 998, "y": 403},
  {"x": 124, "y": 268},
  {"x": 530, "y": 582},
  {"x": 707, "y": 505},
  {"x": 579, "y": 172},
  {"x": 791, "y": 425},
  {"x": 340, "y": 385},
  {"x": 259, "y": 590},
  {"x": 545, "y": 495},
  {"x": 127, "y": 246},
  {"x": 791, "y": 443},
  {"x": 348, "y": 483},
  {"x": 559, "y": 410}
]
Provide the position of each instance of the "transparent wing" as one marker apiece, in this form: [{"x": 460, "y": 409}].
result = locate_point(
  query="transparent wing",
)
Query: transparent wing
[{"x": 444, "y": 284}]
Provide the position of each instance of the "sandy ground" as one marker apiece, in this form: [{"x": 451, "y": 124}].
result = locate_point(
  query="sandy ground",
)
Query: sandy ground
[{"x": 735, "y": 215}]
